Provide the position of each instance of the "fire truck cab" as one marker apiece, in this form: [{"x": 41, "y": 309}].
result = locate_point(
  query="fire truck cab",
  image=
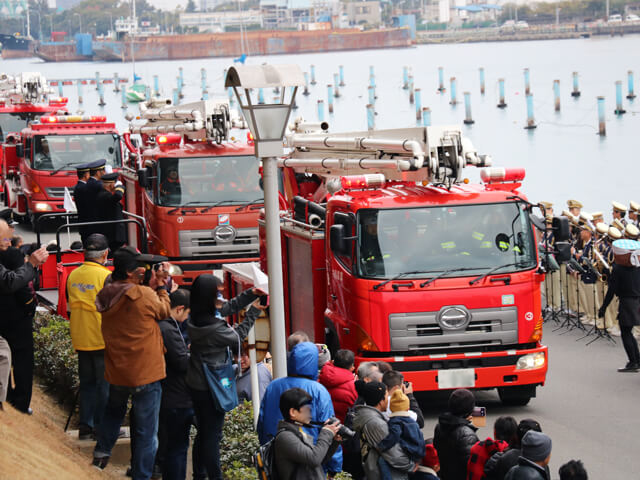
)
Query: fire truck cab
[
  {"x": 40, "y": 162},
  {"x": 198, "y": 189},
  {"x": 389, "y": 252}
]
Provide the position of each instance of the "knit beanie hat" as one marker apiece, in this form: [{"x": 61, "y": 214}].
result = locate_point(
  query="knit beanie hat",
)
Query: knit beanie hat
[
  {"x": 536, "y": 446},
  {"x": 430, "y": 458},
  {"x": 398, "y": 402},
  {"x": 461, "y": 402},
  {"x": 371, "y": 392}
]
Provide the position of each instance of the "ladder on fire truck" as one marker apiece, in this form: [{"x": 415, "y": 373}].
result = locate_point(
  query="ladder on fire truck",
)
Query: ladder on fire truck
[
  {"x": 26, "y": 87},
  {"x": 436, "y": 154},
  {"x": 202, "y": 120}
]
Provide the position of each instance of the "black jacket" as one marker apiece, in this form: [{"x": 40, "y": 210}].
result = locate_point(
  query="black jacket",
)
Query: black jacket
[
  {"x": 109, "y": 207},
  {"x": 453, "y": 438},
  {"x": 13, "y": 280},
  {"x": 175, "y": 393},
  {"x": 209, "y": 343},
  {"x": 527, "y": 470},
  {"x": 624, "y": 282},
  {"x": 500, "y": 463},
  {"x": 89, "y": 197}
]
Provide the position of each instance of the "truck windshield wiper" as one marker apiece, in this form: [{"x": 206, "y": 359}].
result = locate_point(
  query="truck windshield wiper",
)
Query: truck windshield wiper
[
  {"x": 217, "y": 204},
  {"x": 252, "y": 202},
  {"x": 192, "y": 202},
  {"x": 493, "y": 270},
  {"x": 426, "y": 283},
  {"x": 62, "y": 167},
  {"x": 396, "y": 277}
]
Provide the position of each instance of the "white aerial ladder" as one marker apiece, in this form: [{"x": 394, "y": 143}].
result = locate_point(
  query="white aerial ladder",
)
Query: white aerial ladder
[{"x": 26, "y": 87}]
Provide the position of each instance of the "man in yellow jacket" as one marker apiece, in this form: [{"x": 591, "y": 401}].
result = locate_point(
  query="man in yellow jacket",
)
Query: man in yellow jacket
[{"x": 83, "y": 284}]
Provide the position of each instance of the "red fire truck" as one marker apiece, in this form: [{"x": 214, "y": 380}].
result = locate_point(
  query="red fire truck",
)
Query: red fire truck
[
  {"x": 24, "y": 98},
  {"x": 389, "y": 252},
  {"x": 40, "y": 162},
  {"x": 197, "y": 188}
]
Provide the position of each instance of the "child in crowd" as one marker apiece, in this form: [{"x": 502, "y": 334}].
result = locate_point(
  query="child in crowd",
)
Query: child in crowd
[
  {"x": 430, "y": 465},
  {"x": 404, "y": 430}
]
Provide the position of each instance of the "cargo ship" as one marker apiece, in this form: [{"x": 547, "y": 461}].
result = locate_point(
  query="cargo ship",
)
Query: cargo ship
[
  {"x": 207, "y": 45},
  {"x": 16, "y": 46}
]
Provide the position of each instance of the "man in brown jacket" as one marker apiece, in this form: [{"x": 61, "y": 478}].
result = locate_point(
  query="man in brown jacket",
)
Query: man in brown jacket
[{"x": 134, "y": 356}]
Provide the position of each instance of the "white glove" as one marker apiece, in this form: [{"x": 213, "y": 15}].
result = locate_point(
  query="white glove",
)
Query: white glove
[
  {"x": 119, "y": 184},
  {"x": 108, "y": 169}
]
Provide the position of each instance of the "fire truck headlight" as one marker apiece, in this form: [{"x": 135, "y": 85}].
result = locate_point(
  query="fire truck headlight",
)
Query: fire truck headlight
[
  {"x": 530, "y": 361},
  {"x": 42, "y": 207}
]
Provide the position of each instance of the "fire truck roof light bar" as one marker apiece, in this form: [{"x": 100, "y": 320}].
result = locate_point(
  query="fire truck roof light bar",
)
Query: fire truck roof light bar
[
  {"x": 502, "y": 175},
  {"x": 73, "y": 119}
]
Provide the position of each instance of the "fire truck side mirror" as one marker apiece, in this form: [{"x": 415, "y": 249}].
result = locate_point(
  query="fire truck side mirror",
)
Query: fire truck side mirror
[
  {"x": 562, "y": 252},
  {"x": 20, "y": 150},
  {"x": 561, "y": 229},
  {"x": 143, "y": 178},
  {"x": 338, "y": 241}
]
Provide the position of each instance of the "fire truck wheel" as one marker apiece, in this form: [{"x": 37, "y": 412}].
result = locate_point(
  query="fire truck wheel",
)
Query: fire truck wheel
[{"x": 516, "y": 396}]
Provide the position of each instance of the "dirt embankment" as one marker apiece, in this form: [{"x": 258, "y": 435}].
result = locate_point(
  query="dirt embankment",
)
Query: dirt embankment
[{"x": 35, "y": 447}]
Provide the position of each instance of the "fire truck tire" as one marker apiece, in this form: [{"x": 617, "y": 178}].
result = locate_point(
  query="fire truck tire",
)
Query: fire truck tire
[{"x": 516, "y": 396}]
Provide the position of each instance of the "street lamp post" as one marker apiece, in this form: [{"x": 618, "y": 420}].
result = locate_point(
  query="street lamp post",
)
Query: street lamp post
[{"x": 267, "y": 123}]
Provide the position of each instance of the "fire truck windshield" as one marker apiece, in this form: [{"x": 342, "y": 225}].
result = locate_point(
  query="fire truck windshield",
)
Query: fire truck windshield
[
  {"x": 15, "y": 122},
  {"x": 463, "y": 240},
  {"x": 208, "y": 180},
  {"x": 63, "y": 152}
]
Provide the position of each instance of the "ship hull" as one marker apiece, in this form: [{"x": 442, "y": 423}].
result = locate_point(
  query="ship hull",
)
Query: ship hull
[
  {"x": 59, "y": 52},
  {"x": 16, "y": 46}
]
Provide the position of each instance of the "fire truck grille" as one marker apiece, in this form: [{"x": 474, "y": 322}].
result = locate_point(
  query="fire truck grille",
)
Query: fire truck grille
[
  {"x": 200, "y": 243},
  {"x": 422, "y": 331},
  {"x": 55, "y": 192}
]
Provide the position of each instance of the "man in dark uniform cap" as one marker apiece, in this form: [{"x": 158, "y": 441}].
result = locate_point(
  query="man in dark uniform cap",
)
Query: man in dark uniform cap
[
  {"x": 109, "y": 207},
  {"x": 93, "y": 188},
  {"x": 80, "y": 197}
]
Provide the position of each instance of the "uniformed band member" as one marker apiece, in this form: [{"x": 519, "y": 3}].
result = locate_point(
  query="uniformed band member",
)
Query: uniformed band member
[
  {"x": 634, "y": 210},
  {"x": 624, "y": 283},
  {"x": 109, "y": 207},
  {"x": 619, "y": 212},
  {"x": 80, "y": 197}
]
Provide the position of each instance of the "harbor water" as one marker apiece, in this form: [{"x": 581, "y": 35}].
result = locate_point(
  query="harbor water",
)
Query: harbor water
[{"x": 564, "y": 156}]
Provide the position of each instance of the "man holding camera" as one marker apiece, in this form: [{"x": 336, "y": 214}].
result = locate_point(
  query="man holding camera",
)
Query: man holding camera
[{"x": 134, "y": 355}]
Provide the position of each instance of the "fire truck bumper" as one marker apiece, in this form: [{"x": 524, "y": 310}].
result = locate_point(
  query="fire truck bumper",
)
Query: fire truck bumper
[{"x": 479, "y": 370}]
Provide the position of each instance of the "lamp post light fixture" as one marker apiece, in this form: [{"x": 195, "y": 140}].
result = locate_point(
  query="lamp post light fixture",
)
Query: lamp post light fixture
[{"x": 267, "y": 123}]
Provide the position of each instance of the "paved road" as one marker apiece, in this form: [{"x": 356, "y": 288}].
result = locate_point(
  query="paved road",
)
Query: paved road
[{"x": 591, "y": 411}]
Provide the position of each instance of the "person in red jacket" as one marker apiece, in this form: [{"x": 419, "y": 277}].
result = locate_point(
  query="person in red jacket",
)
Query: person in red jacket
[{"x": 337, "y": 377}]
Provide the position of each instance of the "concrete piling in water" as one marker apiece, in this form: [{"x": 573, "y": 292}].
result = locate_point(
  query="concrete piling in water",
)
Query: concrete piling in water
[
  {"x": 116, "y": 82},
  {"x": 123, "y": 98},
  {"x": 181, "y": 75},
  {"x": 330, "y": 98},
  {"x": 341, "y": 74},
  {"x": 101, "y": 101},
  {"x": 630, "y": 90},
  {"x": 79, "y": 85},
  {"x": 97, "y": 79},
  {"x": 576, "y": 87},
  {"x": 371, "y": 117},
  {"x": 440, "y": 79},
  {"x": 372, "y": 95},
  {"x": 260, "y": 96},
  {"x": 313, "y": 74},
  {"x": 527, "y": 82},
  {"x": 405, "y": 78},
  {"x": 556, "y": 95},
  {"x": 305, "y": 92},
  {"x": 411, "y": 90},
  {"x": 454, "y": 93},
  {"x": 619, "y": 108},
  {"x": 418, "y": 100},
  {"x": 426, "y": 117},
  {"x": 531, "y": 123},
  {"x": 372, "y": 79},
  {"x": 147, "y": 92},
  {"x": 156, "y": 85},
  {"x": 60, "y": 91},
  {"x": 501, "y": 102},
  {"x": 231, "y": 96},
  {"x": 336, "y": 82},
  {"x": 482, "y": 85},
  {"x": 320, "y": 111},
  {"x": 468, "y": 119},
  {"x": 176, "y": 96},
  {"x": 602, "y": 128}
]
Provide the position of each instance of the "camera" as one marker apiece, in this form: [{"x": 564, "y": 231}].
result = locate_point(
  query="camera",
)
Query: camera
[{"x": 345, "y": 432}]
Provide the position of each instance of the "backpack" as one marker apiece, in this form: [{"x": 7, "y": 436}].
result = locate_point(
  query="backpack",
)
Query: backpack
[{"x": 264, "y": 459}]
